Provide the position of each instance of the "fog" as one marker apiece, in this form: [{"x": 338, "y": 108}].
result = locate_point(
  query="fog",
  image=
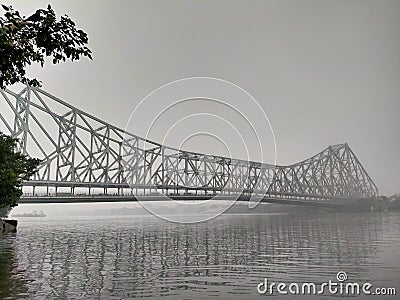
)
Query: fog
[{"x": 324, "y": 72}]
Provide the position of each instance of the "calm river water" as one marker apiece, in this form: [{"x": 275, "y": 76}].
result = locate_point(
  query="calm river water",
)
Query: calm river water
[{"x": 226, "y": 258}]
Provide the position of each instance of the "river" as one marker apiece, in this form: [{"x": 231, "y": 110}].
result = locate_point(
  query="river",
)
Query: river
[{"x": 226, "y": 258}]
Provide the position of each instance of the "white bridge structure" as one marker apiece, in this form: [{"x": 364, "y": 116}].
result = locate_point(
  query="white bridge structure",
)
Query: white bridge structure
[{"x": 84, "y": 159}]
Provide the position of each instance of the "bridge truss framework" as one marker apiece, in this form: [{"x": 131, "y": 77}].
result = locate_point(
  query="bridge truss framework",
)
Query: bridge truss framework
[{"x": 83, "y": 155}]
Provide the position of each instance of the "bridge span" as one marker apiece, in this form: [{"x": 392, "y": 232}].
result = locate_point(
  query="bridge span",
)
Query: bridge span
[{"x": 84, "y": 159}]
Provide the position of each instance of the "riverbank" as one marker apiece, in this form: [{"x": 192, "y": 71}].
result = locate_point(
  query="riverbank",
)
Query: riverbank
[
  {"x": 8, "y": 226},
  {"x": 387, "y": 203},
  {"x": 393, "y": 202}
]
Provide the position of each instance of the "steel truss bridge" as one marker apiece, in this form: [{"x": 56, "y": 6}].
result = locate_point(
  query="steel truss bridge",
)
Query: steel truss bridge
[{"x": 84, "y": 159}]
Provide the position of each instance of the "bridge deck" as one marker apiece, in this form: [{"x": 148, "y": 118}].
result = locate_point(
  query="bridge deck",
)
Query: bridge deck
[{"x": 131, "y": 198}]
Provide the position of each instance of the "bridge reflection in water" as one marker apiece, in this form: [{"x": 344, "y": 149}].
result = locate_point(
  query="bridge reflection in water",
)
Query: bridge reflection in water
[
  {"x": 123, "y": 258},
  {"x": 85, "y": 159}
]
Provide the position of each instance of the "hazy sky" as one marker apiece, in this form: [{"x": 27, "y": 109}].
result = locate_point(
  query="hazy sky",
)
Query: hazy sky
[{"x": 325, "y": 72}]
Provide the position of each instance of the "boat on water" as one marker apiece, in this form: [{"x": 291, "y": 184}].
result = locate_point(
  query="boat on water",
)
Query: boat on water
[{"x": 33, "y": 214}]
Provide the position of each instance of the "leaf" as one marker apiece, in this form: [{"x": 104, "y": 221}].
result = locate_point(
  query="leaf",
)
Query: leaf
[
  {"x": 24, "y": 41},
  {"x": 6, "y": 8}
]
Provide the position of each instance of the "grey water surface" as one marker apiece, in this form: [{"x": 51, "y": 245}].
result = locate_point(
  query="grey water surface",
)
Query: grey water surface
[{"x": 226, "y": 258}]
